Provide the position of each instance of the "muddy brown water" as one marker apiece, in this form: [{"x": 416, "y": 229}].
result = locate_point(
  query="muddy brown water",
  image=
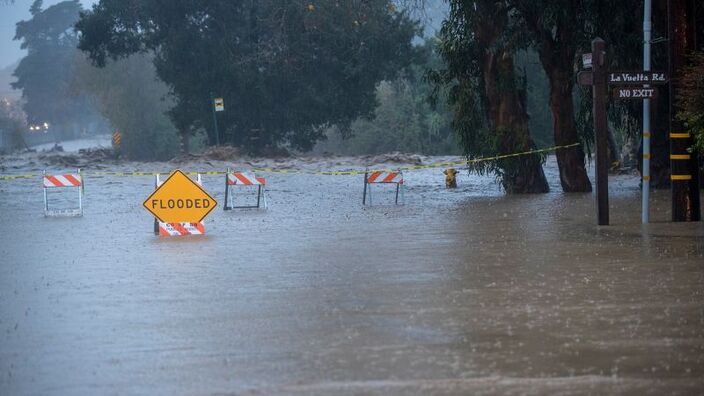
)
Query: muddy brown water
[{"x": 455, "y": 292}]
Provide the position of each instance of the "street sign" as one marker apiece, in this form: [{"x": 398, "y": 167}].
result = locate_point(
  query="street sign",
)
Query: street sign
[
  {"x": 180, "y": 200},
  {"x": 587, "y": 61},
  {"x": 585, "y": 78},
  {"x": 636, "y": 78},
  {"x": 635, "y": 93},
  {"x": 219, "y": 104}
]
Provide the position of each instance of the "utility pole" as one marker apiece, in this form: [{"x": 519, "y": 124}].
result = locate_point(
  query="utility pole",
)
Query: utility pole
[
  {"x": 218, "y": 105},
  {"x": 647, "y": 38},
  {"x": 684, "y": 166}
]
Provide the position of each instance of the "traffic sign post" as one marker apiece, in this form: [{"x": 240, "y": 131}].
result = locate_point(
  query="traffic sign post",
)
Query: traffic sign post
[
  {"x": 596, "y": 78},
  {"x": 646, "y": 92},
  {"x": 628, "y": 85},
  {"x": 180, "y": 200},
  {"x": 645, "y": 173},
  {"x": 218, "y": 105}
]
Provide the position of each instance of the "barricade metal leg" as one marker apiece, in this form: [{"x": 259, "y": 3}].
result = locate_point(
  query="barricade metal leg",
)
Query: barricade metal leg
[
  {"x": 156, "y": 222},
  {"x": 259, "y": 195},
  {"x": 46, "y": 203},
  {"x": 398, "y": 186},
  {"x": 364, "y": 196},
  {"x": 80, "y": 193},
  {"x": 46, "y": 200},
  {"x": 227, "y": 205}
]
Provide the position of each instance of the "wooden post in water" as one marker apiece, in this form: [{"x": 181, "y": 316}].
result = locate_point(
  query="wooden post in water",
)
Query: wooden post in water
[{"x": 601, "y": 132}]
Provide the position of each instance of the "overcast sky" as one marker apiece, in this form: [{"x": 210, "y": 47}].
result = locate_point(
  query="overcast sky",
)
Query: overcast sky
[{"x": 10, "y": 14}]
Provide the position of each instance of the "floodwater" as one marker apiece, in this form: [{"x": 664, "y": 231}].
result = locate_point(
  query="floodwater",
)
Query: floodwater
[
  {"x": 454, "y": 293},
  {"x": 72, "y": 146}
]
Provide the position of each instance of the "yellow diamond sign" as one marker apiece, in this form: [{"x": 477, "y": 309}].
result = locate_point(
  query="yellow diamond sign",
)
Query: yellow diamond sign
[{"x": 180, "y": 200}]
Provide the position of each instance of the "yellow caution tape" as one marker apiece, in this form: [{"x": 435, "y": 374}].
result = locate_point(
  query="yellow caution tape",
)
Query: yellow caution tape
[
  {"x": 14, "y": 177},
  {"x": 418, "y": 167},
  {"x": 321, "y": 173}
]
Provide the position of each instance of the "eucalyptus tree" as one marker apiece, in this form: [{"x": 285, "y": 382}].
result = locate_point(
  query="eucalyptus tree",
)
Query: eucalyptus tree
[
  {"x": 560, "y": 31},
  {"x": 487, "y": 94}
]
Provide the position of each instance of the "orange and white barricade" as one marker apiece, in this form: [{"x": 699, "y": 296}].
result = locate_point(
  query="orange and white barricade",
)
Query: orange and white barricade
[
  {"x": 382, "y": 177},
  {"x": 244, "y": 179},
  {"x": 177, "y": 229},
  {"x": 71, "y": 180},
  {"x": 180, "y": 229}
]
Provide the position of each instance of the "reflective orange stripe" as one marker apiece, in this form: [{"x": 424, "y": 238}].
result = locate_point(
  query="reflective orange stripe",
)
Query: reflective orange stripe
[
  {"x": 54, "y": 181},
  {"x": 181, "y": 229},
  {"x": 73, "y": 180},
  {"x": 389, "y": 178},
  {"x": 681, "y": 177},
  {"x": 373, "y": 176},
  {"x": 200, "y": 227}
]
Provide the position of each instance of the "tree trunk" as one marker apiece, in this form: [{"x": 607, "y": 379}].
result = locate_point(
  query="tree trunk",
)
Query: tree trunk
[
  {"x": 573, "y": 173},
  {"x": 508, "y": 118},
  {"x": 557, "y": 47}
]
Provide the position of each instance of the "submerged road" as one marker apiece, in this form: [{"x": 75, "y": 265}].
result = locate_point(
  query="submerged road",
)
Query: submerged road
[{"x": 456, "y": 292}]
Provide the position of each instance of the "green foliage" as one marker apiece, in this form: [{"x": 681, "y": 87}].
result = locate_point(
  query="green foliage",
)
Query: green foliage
[
  {"x": 132, "y": 99},
  {"x": 691, "y": 99},
  {"x": 537, "y": 98},
  {"x": 284, "y": 69},
  {"x": 462, "y": 74},
  {"x": 11, "y": 125},
  {"x": 44, "y": 75},
  {"x": 487, "y": 92},
  {"x": 564, "y": 30},
  {"x": 469, "y": 35},
  {"x": 403, "y": 120}
]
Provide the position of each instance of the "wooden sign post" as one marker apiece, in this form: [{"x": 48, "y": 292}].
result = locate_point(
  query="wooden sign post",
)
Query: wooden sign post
[
  {"x": 601, "y": 131},
  {"x": 628, "y": 85}
]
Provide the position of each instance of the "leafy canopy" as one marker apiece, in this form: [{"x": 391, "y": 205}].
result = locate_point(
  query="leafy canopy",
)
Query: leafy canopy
[
  {"x": 691, "y": 98},
  {"x": 283, "y": 68},
  {"x": 44, "y": 75}
]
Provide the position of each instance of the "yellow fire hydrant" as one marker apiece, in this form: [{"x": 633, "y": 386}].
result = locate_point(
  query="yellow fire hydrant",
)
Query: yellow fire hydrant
[{"x": 450, "y": 178}]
